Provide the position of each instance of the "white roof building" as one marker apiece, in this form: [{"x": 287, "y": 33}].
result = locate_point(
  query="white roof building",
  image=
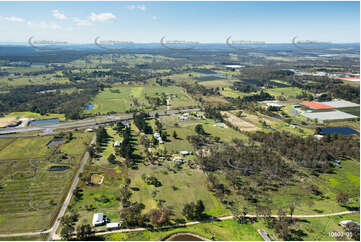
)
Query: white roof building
[
  {"x": 184, "y": 152},
  {"x": 157, "y": 135},
  {"x": 345, "y": 222},
  {"x": 117, "y": 143},
  {"x": 98, "y": 219},
  {"x": 113, "y": 225}
]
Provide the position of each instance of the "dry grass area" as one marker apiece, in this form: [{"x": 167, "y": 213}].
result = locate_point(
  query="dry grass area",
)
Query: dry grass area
[
  {"x": 4, "y": 122},
  {"x": 257, "y": 118},
  {"x": 97, "y": 179},
  {"x": 240, "y": 123},
  {"x": 214, "y": 100}
]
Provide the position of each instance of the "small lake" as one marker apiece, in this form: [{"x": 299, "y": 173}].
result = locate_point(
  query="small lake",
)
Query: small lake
[
  {"x": 58, "y": 168},
  {"x": 44, "y": 121},
  {"x": 339, "y": 130},
  {"x": 89, "y": 107}
]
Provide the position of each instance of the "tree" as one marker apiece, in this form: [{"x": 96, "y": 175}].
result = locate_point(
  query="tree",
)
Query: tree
[
  {"x": 193, "y": 211},
  {"x": 84, "y": 231},
  {"x": 292, "y": 209},
  {"x": 199, "y": 129},
  {"x": 160, "y": 216},
  {"x": 91, "y": 151},
  {"x": 188, "y": 210},
  {"x": 199, "y": 209},
  {"x": 132, "y": 215},
  {"x": 175, "y": 135},
  {"x": 67, "y": 232},
  {"x": 78, "y": 194},
  {"x": 342, "y": 198},
  {"x": 112, "y": 159},
  {"x": 355, "y": 231}
]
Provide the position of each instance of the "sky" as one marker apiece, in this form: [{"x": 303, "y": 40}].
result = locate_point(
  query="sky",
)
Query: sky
[{"x": 204, "y": 22}]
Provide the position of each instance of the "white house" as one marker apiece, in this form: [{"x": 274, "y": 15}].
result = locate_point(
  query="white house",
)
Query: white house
[
  {"x": 117, "y": 143},
  {"x": 157, "y": 135},
  {"x": 98, "y": 219}
]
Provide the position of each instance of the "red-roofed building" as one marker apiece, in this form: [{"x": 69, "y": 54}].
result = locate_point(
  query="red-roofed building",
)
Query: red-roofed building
[{"x": 315, "y": 105}]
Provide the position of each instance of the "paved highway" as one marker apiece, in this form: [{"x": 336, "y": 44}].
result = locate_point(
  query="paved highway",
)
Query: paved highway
[{"x": 48, "y": 129}]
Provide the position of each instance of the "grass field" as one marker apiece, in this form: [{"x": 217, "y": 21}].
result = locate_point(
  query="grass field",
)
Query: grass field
[
  {"x": 30, "y": 195},
  {"x": 191, "y": 186},
  {"x": 216, "y": 83},
  {"x": 287, "y": 92},
  {"x": 120, "y": 99},
  {"x": 32, "y": 115},
  {"x": 223, "y": 230},
  {"x": 228, "y": 92},
  {"x": 186, "y": 128}
]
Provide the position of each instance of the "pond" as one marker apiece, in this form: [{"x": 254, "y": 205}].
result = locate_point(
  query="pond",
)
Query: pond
[
  {"x": 56, "y": 142},
  {"x": 89, "y": 107},
  {"x": 339, "y": 130},
  {"x": 185, "y": 237},
  {"x": 277, "y": 116},
  {"x": 44, "y": 121},
  {"x": 58, "y": 168}
]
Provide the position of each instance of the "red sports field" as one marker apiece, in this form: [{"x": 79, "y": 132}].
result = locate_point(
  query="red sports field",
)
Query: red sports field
[{"x": 315, "y": 105}]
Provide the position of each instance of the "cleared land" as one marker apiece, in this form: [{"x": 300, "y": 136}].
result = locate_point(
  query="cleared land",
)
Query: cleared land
[
  {"x": 30, "y": 195},
  {"x": 239, "y": 123},
  {"x": 121, "y": 99}
]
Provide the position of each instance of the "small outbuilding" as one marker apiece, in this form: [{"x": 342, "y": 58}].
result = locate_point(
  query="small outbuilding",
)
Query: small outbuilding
[
  {"x": 112, "y": 226},
  {"x": 117, "y": 143},
  {"x": 184, "y": 152},
  {"x": 157, "y": 135}
]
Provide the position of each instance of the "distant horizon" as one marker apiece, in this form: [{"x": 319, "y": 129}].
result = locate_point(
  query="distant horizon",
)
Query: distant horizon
[{"x": 205, "y": 22}]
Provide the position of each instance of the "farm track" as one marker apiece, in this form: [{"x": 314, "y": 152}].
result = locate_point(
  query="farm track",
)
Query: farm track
[{"x": 181, "y": 225}]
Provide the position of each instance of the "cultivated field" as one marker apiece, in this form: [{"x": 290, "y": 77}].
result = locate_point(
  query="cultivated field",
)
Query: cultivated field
[{"x": 30, "y": 194}]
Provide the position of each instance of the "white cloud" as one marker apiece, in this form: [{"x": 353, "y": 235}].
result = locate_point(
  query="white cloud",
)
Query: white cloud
[
  {"x": 59, "y": 15},
  {"x": 137, "y": 7},
  {"x": 102, "y": 17},
  {"x": 82, "y": 22},
  {"x": 155, "y": 18},
  {"x": 44, "y": 25},
  {"x": 13, "y": 19}
]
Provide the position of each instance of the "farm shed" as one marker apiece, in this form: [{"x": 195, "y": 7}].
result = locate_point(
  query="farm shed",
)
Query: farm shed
[{"x": 111, "y": 226}]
